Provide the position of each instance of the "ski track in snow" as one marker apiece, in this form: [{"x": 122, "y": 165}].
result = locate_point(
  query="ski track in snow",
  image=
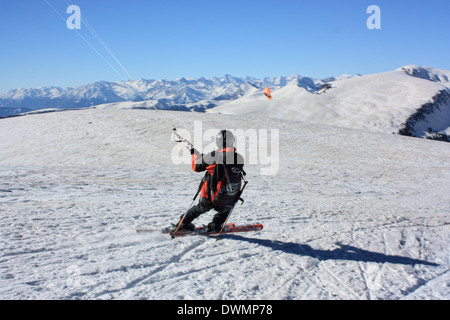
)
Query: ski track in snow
[{"x": 350, "y": 214}]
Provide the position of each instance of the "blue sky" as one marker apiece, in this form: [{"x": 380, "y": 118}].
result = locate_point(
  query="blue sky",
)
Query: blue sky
[{"x": 177, "y": 38}]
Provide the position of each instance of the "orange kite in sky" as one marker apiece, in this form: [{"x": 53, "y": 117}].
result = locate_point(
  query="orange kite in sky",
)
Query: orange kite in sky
[{"x": 266, "y": 91}]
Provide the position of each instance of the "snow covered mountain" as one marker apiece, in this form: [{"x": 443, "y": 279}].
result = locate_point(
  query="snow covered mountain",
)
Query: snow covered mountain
[
  {"x": 411, "y": 100},
  {"x": 181, "y": 94}
]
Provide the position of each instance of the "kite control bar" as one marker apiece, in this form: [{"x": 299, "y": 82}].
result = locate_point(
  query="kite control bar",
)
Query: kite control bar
[{"x": 176, "y": 137}]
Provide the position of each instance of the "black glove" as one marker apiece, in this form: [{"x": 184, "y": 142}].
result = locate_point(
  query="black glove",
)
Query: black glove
[{"x": 193, "y": 150}]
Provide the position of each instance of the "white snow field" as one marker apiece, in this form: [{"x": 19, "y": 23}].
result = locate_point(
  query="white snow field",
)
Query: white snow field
[{"x": 350, "y": 214}]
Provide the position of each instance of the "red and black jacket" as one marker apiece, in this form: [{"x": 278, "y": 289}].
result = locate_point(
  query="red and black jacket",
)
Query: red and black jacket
[{"x": 215, "y": 164}]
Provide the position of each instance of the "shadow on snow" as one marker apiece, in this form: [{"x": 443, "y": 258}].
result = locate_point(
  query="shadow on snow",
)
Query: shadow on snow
[{"x": 344, "y": 252}]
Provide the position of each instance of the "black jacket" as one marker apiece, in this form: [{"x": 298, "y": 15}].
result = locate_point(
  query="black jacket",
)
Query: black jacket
[{"x": 223, "y": 168}]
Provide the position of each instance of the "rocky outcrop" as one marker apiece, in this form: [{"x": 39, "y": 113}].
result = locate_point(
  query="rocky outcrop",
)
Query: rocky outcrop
[{"x": 431, "y": 119}]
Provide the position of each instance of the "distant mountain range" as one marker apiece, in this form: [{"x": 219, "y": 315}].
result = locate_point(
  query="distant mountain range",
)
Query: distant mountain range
[
  {"x": 412, "y": 100},
  {"x": 181, "y": 94}
]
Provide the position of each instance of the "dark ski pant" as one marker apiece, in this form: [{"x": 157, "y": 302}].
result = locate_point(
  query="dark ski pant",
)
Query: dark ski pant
[{"x": 205, "y": 205}]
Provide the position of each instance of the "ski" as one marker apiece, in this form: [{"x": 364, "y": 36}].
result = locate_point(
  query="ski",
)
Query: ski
[
  {"x": 229, "y": 228},
  {"x": 197, "y": 231},
  {"x": 169, "y": 230}
]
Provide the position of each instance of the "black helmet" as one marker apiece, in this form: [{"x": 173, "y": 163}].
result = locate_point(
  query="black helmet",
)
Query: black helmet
[{"x": 225, "y": 139}]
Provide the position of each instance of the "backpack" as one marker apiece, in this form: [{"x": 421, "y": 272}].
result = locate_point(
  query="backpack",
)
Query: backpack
[{"x": 228, "y": 190}]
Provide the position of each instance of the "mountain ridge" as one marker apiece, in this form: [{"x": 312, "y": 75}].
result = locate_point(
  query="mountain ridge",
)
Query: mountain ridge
[
  {"x": 411, "y": 100},
  {"x": 165, "y": 94}
]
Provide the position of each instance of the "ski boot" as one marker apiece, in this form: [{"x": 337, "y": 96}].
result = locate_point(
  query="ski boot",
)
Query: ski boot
[
  {"x": 212, "y": 227},
  {"x": 185, "y": 226}
]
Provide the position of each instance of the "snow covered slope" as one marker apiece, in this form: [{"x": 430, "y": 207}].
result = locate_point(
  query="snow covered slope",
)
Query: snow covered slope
[
  {"x": 349, "y": 215},
  {"x": 382, "y": 102},
  {"x": 412, "y": 100}
]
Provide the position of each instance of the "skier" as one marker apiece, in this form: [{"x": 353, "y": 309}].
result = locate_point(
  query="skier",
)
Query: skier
[{"x": 221, "y": 184}]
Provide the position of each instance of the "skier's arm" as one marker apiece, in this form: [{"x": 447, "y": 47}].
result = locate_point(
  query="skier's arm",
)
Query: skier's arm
[{"x": 200, "y": 161}]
